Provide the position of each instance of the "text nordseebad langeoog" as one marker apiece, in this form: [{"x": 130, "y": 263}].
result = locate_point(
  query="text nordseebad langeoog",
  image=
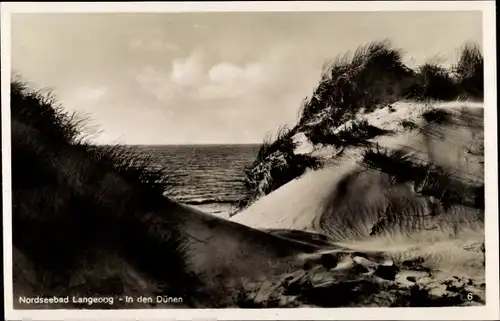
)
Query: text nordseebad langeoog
[
  {"x": 66, "y": 300},
  {"x": 110, "y": 300}
]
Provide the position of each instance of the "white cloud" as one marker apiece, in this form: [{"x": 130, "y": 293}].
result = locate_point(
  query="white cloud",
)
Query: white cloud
[
  {"x": 198, "y": 26},
  {"x": 229, "y": 73},
  {"x": 177, "y": 82},
  {"x": 189, "y": 77},
  {"x": 153, "y": 45},
  {"x": 275, "y": 82},
  {"x": 227, "y": 80},
  {"x": 188, "y": 72},
  {"x": 224, "y": 72},
  {"x": 156, "y": 83},
  {"x": 89, "y": 94}
]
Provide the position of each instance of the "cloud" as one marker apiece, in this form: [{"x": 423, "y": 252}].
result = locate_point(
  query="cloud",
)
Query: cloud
[
  {"x": 88, "y": 94},
  {"x": 153, "y": 45},
  {"x": 224, "y": 72},
  {"x": 192, "y": 78},
  {"x": 228, "y": 80},
  {"x": 234, "y": 97},
  {"x": 188, "y": 72},
  {"x": 177, "y": 82},
  {"x": 157, "y": 83}
]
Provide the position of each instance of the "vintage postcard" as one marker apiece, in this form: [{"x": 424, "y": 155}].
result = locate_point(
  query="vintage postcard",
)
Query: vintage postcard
[{"x": 250, "y": 160}]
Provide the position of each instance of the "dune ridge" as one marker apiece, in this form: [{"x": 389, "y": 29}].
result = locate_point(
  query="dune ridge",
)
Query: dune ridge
[{"x": 365, "y": 210}]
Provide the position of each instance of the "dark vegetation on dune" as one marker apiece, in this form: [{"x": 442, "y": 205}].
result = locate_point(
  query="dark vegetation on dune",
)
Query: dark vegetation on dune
[
  {"x": 75, "y": 204},
  {"x": 354, "y": 133},
  {"x": 438, "y": 116},
  {"x": 372, "y": 77},
  {"x": 281, "y": 165},
  {"x": 408, "y": 125},
  {"x": 428, "y": 179}
]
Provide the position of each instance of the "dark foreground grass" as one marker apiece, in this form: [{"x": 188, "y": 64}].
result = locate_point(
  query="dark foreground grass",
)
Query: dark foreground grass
[{"x": 74, "y": 203}]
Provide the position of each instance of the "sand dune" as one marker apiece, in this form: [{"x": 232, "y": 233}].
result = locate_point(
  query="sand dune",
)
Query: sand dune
[
  {"x": 304, "y": 203},
  {"x": 360, "y": 209},
  {"x": 246, "y": 267},
  {"x": 222, "y": 259}
]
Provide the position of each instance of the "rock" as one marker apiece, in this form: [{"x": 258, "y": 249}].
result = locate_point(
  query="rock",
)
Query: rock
[
  {"x": 266, "y": 290},
  {"x": 307, "y": 266},
  {"x": 411, "y": 279},
  {"x": 364, "y": 262},
  {"x": 387, "y": 272},
  {"x": 288, "y": 301},
  {"x": 359, "y": 269},
  {"x": 328, "y": 261},
  {"x": 293, "y": 284}
]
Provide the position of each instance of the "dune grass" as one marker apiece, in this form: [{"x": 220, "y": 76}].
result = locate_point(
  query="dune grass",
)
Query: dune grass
[
  {"x": 73, "y": 202},
  {"x": 371, "y": 77},
  {"x": 374, "y": 74},
  {"x": 408, "y": 125},
  {"x": 353, "y": 134},
  {"x": 276, "y": 164},
  {"x": 427, "y": 178},
  {"x": 437, "y": 115},
  {"x": 465, "y": 79},
  {"x": 282, "y": 141},
  {"x": 435, "y": 82},
  {"x": 358, "y": 132},
  {"x": 470, "y": 70}
]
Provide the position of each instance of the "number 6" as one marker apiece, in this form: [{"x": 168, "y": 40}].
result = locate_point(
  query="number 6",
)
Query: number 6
[{"x": 470, "y": 296}]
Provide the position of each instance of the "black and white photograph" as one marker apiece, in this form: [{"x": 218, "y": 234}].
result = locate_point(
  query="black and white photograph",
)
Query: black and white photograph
[{"x": 290, "y": 160}]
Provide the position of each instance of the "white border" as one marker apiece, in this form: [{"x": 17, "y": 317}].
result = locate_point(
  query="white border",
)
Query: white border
[{"x": 488, "y": 312}]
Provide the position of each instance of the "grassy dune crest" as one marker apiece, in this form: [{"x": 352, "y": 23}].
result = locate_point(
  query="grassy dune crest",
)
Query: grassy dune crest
[
  {"x": 372, "y": 77},
  {"x": 77, "y": 206}
]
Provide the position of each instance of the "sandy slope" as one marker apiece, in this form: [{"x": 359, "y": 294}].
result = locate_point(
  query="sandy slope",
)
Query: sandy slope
[
  {"x": 245, "y": 267},
  {"x": 359, "y": 209},
  {"x": 298, "y": 204}
]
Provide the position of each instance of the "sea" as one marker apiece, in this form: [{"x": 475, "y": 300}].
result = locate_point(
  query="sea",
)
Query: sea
[{"x": 207, "y": 177}]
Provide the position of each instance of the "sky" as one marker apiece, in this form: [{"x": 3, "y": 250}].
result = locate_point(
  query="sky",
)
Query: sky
[{"x": 208, "y": 78}]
